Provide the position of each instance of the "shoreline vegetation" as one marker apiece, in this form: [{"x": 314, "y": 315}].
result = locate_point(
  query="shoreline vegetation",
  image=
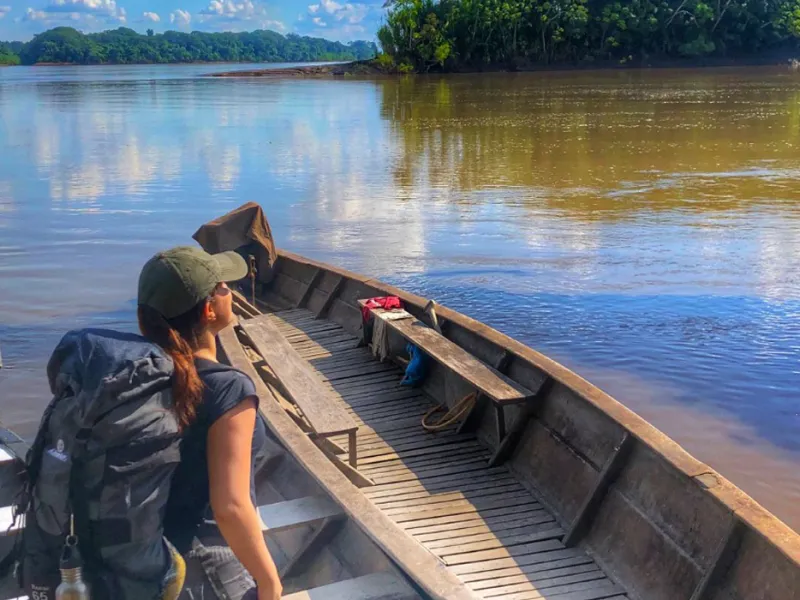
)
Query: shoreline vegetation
[
  {"x": 454, "y": 36},
  {"x": 68, "y": 46}
]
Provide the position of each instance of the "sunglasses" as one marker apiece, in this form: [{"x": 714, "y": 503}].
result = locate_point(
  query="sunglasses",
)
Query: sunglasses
[{"x": 221, "y": 290}]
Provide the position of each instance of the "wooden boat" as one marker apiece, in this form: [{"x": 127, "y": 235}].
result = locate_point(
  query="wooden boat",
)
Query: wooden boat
[{"x": 539, "y": 486}]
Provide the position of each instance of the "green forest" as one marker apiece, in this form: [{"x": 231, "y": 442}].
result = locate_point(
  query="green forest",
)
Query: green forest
[
  {"x": 9, "y": 53},
  {"x": 424, "y": 35},
  {"x": 450, "y": 35},
  {"x": 125, "y": 46}
]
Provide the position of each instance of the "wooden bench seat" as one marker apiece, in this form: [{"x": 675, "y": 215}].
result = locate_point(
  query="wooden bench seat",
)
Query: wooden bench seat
[
  {"x": 484, "y": 378},
  {"x": 487, "y": 381},
  {"x": 301, "y": 385},
  {"x": 377, "y": 586},
  {"x": 294, "y": 513}
]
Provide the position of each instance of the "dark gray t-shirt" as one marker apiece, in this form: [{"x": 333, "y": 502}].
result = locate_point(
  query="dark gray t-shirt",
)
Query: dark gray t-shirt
[{"x": 225, "y": 388}]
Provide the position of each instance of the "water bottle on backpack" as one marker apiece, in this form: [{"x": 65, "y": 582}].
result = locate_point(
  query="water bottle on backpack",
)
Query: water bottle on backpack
[{"x": 72, "y": 586}]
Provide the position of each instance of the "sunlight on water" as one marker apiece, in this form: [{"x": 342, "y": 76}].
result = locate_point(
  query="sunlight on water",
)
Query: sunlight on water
[{"x": 641, "y": 227}]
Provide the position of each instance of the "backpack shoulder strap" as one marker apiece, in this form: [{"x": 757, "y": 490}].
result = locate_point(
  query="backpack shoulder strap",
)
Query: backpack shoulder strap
[{"x": 30, "y": 474}]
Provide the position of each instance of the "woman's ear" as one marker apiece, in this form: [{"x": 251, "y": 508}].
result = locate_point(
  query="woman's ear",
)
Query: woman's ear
[{"x": 209, "y": 315}]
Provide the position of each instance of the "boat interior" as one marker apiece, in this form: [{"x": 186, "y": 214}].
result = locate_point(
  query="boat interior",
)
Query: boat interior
[{"x": 444, "y": 489}]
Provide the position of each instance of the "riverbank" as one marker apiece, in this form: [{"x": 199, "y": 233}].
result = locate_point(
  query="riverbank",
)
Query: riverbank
[
  {"x": 360, "y": 67},
  {"x": 374, "y": 68}
]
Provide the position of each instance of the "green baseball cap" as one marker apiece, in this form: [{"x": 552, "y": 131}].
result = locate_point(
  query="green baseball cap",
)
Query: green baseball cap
[{"x": 176, "y": 280}]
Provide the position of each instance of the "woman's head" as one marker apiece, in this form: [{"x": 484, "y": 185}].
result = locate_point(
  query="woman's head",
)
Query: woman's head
[{"x": 183, "y": 302}]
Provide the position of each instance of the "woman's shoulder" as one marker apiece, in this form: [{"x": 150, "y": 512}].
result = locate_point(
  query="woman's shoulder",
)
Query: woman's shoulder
[
  {"x": 225, "y": 386},
  {"x": 218, "y": 372}
]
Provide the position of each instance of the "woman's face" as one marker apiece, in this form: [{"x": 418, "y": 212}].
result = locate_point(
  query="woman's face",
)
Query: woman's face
[{"x": 221, "y": 304}]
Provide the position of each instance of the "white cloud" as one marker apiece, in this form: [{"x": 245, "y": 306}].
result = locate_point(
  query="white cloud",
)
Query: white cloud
[
  {"x": 35, "y": 15},
  {"x": 233, "y": 15},
  {"x": 345, "y": 13},
  {"x": 78, "y": 6},
  {"x": 214, "y": 8},
  {"x": 99, "y": 8},
  {"x": 353, "y": 13},
  {"x": 4, "y": 10},
  {"x": 330, "y": 7},
  {"x": 151, "y": 16},
  {"x": 271, "y": 24},
  {"x": 89, "y": 12},
  {"x": 233, "y": 11},
  {"x": 181, "y": 18},
  {"x": 338, "y": 21}
]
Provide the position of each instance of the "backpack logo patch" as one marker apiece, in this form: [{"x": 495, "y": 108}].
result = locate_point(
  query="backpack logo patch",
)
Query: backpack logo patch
[{"x": 58, "y": 452}]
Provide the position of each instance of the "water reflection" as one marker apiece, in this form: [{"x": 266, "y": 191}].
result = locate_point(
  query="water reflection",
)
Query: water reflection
[
  {"x": 695, "y": 158},
  {"x": 640, "y": 227},
  {"x": 603, "y": 146}
]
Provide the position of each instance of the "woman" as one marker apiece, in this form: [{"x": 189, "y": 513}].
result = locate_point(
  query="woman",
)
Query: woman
[{"x": 183, "y": 304}]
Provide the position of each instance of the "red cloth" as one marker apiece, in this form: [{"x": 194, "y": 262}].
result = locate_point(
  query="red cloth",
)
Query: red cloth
[{"x": 386, "y": 303}]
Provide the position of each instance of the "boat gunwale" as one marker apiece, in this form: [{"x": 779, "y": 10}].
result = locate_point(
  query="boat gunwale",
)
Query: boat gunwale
[
  {"x": 432, "y": 577},
  {"x": 740, "y": 504}
]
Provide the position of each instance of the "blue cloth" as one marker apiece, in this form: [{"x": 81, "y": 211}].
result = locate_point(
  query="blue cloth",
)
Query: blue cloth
[{"x": 417, "y": 368}]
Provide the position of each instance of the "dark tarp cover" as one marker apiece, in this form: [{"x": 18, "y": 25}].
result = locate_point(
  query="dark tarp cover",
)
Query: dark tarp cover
[{"x": 246, "y": 230}]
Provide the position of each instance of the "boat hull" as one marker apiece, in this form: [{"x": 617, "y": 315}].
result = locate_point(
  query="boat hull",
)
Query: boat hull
[{"x": 666, "y": 525}]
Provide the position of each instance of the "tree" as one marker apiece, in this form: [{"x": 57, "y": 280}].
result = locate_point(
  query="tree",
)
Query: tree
[{"x": 150, "y": 33}]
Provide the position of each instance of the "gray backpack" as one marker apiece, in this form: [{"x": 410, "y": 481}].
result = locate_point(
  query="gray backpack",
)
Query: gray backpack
[{"x": 101, "y": 467}]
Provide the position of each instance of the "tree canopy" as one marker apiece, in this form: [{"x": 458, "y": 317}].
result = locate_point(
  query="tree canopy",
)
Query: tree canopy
[
  {"x": 8, "y": 55},
  {"x": 123, "y": 46},
  {"x": 420, "y": 35}
]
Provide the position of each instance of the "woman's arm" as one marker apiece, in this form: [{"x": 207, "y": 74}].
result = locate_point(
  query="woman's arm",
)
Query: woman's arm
[{"x": 229, "y": 447}]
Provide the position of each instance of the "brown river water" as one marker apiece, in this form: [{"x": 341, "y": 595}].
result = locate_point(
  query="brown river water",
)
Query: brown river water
[{"x": 641, "y": 227}]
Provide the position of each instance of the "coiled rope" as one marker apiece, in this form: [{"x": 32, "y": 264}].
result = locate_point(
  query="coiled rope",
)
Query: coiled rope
[{"x": 460, "y": 408}]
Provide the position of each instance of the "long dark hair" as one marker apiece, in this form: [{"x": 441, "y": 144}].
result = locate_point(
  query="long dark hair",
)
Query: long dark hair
[{"x": 178, "y": 337}]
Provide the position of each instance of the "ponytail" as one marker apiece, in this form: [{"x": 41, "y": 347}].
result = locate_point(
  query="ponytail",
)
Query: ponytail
[{"x": 175, "y": 337}]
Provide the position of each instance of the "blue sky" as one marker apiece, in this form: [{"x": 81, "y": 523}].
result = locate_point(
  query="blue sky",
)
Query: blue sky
[{"x": 332, "y": 19}]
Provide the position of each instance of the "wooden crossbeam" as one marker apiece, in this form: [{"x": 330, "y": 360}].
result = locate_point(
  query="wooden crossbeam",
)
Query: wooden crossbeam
[
  {"x": 329, "y": 300},
  {"x": 303, "y": 300},
  {"x": 508, "y": 443},
  {"x": 315, "y": 542},
  {"x": 473, "y": 418},
  {"x": 588, "y": 510},
  {"x": 723, "y": 558}
]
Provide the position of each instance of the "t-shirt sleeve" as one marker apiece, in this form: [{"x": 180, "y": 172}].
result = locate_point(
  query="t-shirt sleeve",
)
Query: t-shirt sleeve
[{"x": 228, "y": 389}]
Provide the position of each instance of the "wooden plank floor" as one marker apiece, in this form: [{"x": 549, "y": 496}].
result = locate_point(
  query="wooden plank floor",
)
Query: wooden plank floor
[{"x": 480, "y": 521}]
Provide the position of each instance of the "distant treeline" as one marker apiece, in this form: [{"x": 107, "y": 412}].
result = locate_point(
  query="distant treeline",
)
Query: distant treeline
[
  {"x": 123, "y": 46},
  {"x": 9, "y": 53},
  {"x": 420, "y": 35}
]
